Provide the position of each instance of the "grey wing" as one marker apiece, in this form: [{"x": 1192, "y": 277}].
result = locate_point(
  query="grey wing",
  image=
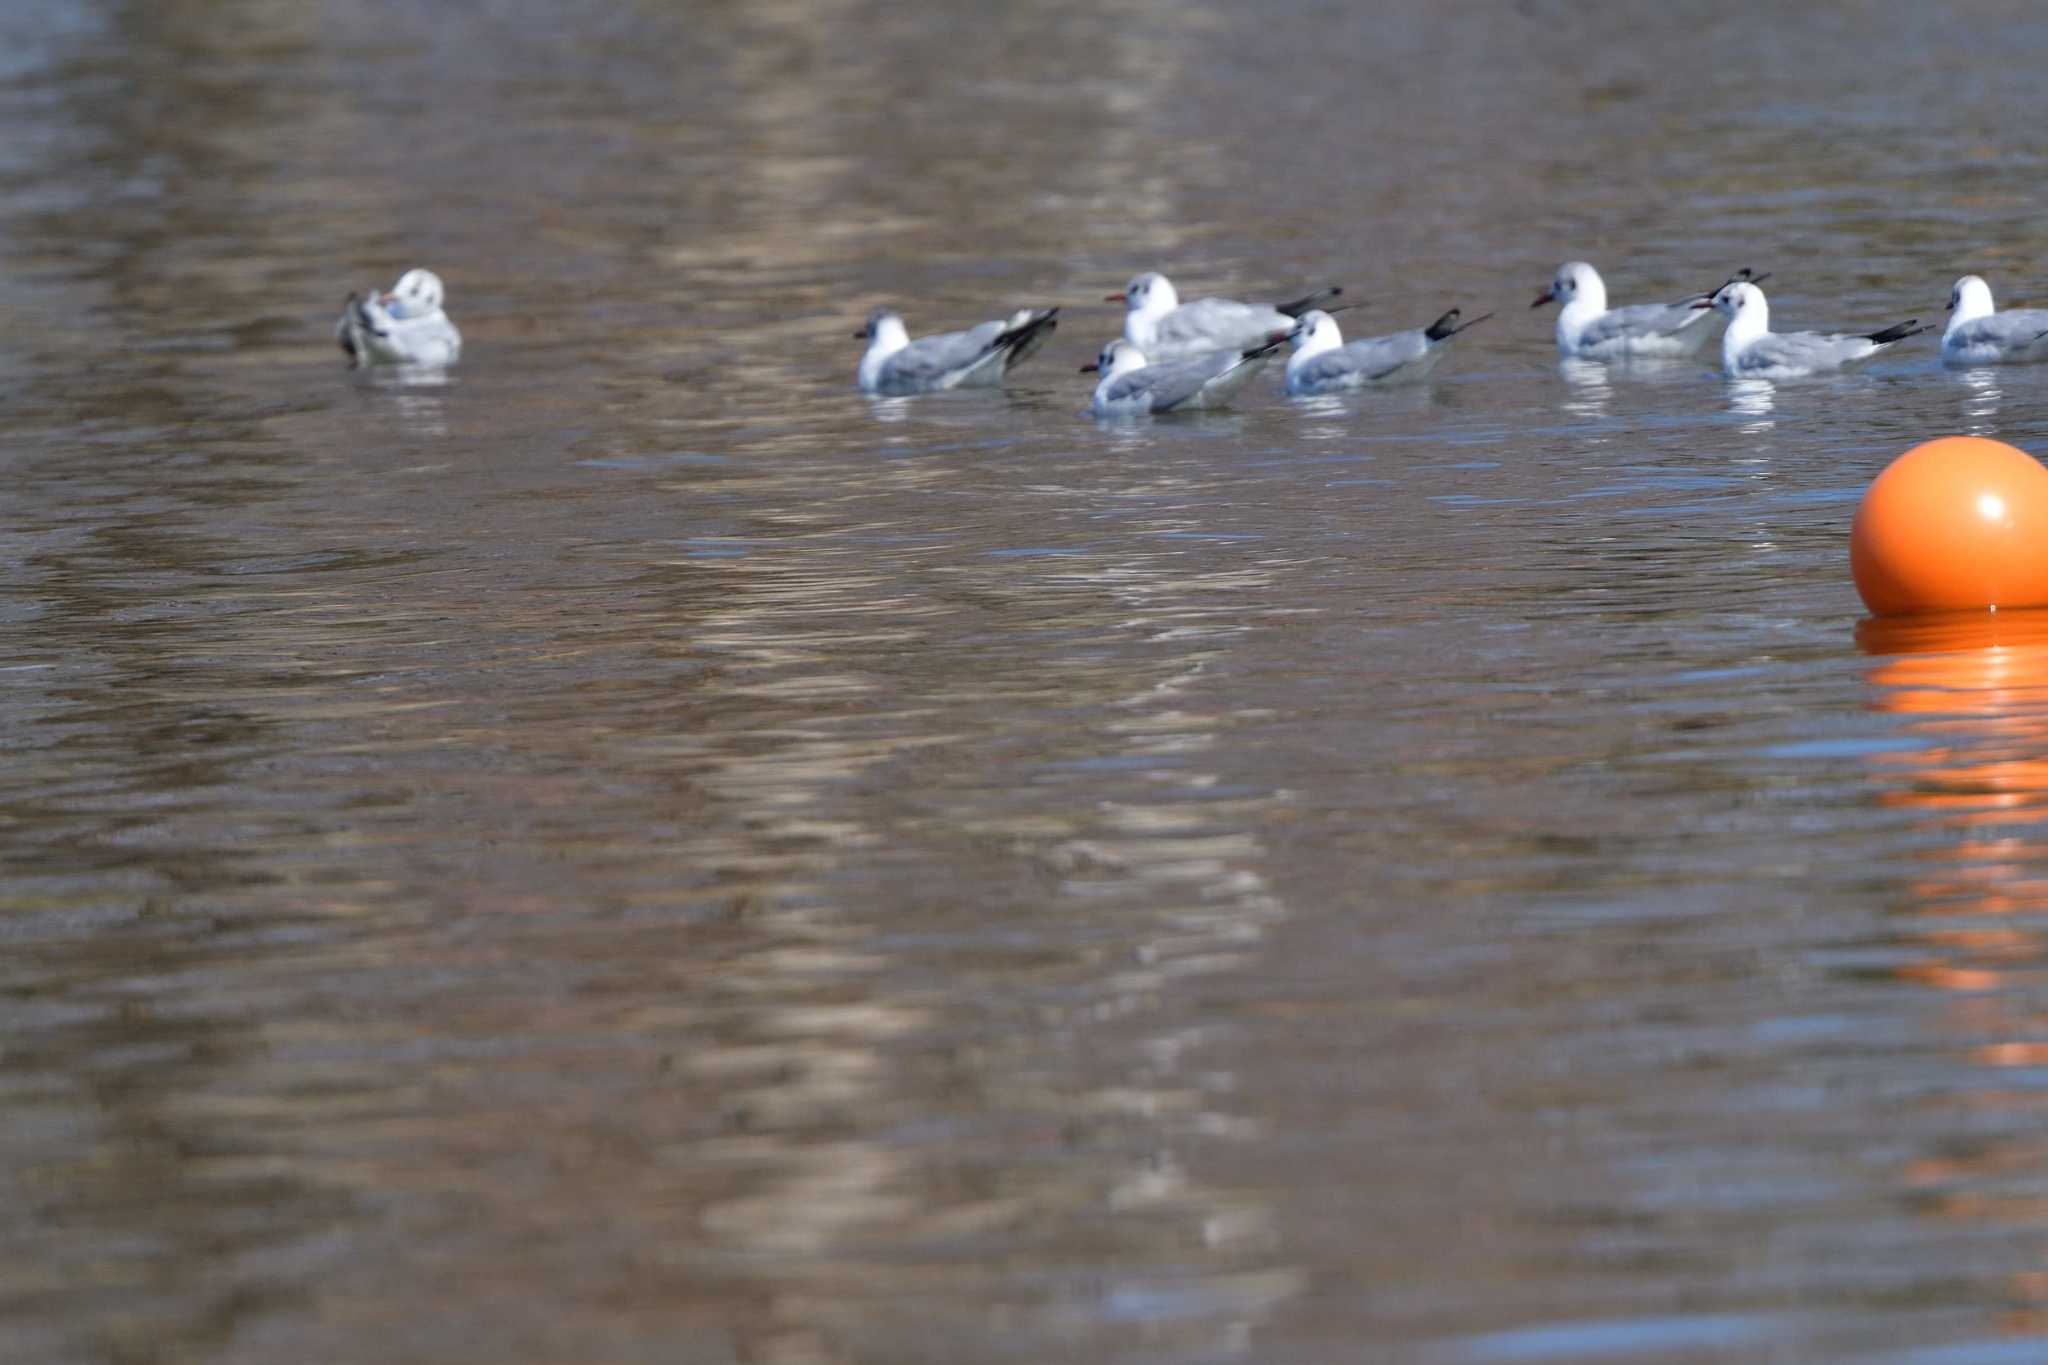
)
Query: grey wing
[
  {"x": 1379, "y": 357},
  {"x": 1805, "y": 350},
  {"x": 1128, "y": 388},
  {"x": 1641, "y": 320},
  {"x": 928, "y": 360},
  {"x": 1220, "y": 325},
  {"x": 1170, "y": 384},
  {"x": 1329, "y": 369},
  {"x": 2011, "y": 330}
]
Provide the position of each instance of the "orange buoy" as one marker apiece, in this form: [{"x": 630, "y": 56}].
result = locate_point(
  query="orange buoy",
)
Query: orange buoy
[{"x": 1956, "y": 524}]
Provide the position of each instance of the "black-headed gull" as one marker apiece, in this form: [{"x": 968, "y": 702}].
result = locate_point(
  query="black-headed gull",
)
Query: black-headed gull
[
  {"x": 1751, "y": 350},
  {"x": 1587, "y": 329},
  {"x": 1132, "y": 387},
  {"x": 979, "y": 357},
  {"x": 1323, "y": 362},
  {"x": 1978, "y": 334},
  {"x": 402, "y": 327},
  {"x": 1164, "y": 328}
]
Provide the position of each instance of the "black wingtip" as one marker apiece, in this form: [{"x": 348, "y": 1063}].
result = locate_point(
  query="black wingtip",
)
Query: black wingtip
[
  {"x": 1910, "y": 327},
  {"x": 1020, "y": 341},
  {"x": 1746, "y": 275},
  {"x": 1448, "y": 325},
  {"x": 1044, "y": 319},
  {"x": 359, "y": 314},
  {"x": 1294, "y": 308},
  {"x": 1266, "y": 347}
]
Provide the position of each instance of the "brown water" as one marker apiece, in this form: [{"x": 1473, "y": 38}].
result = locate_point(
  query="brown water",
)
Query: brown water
[{"x": 635, "y": 853}]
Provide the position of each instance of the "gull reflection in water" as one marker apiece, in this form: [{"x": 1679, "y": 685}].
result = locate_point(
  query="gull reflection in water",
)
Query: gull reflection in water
[
  {"x": 421, "y": 408},
  {"x": 1591, "y": 392},
  {"x": 890, "y": 409},
  {"x": 1755, "y": 399},
  {"x": 1980, "y": 407},
  {"x": 1328, "y": 412},
  {"x": 1972, "y": 691},
  {"x": 1126, "y": 435}
]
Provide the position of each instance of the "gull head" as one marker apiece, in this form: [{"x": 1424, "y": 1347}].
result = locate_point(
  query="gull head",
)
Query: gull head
[
  {"x": 885, "y": 328},
  {"x": 418, "y": 291},
  {"x": 1150, "y": 292},
  {"x": 1738, "y": 297},
  {"x": 1315, "y": 330},
  {"x": 1970, "y": 300},
  {"x": 1574, "y": 280},
  {"x": 1118, "y": 357}
]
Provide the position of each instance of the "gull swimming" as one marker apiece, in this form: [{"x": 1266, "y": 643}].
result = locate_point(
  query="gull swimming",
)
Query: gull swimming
[
  {"x": 1164, "y": 328},
  {"x": 1323, "y": 362},
  {"x": 1978, "y": 334},
  {"x": 1751, "y": 350},
  {"x": 1589, "y": 330},
  {"x": 1132, "y": 387},
  {"x": 402, "y": 327},
  {"x": 979, "y": 357}
]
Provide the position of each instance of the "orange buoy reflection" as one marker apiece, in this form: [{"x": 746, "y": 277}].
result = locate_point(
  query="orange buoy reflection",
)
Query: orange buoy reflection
[
  {"x": 1974, "y": 689},
  {"x": 1977, "y": 684}
]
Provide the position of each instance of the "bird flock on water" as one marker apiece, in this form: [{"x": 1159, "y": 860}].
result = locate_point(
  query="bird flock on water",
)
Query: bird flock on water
[{"x": 1176, "y": 356}]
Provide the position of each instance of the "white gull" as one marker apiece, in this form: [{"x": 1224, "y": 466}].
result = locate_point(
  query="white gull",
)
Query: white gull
[
  {"x": 403, "y": 327},
  {"x": 1978, "y": 334},
  {"x": 1133, "y": 387},
  {"x": 976, "y": 358},
  {"x": 1587, "y": 329},
  {"x": 1323, "y": 362},
  {"x": 1751, "y": 350},
  {"x": 1164, "y": 328}
]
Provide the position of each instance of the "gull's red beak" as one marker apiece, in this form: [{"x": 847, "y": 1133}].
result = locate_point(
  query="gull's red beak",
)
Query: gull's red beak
[
  {"x": 1118, "y": 297},
  {"x": 1545, "y": 297}
]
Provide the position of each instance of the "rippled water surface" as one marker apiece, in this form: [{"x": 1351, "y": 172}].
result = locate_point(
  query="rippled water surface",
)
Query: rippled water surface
[{"x": 632, "y": 852}]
